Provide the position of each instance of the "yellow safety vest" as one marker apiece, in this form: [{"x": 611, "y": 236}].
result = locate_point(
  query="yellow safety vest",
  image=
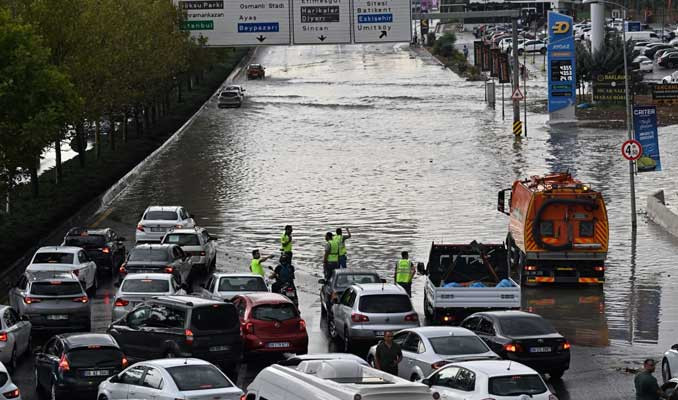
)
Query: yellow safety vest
[
  {"x": 287, "y": 248},
  {"x": 404, "y": 272},
  {"x": 342, "y": 244},
  {"x": 256, "y": 268},
  {"x": 334, "y": 251}
]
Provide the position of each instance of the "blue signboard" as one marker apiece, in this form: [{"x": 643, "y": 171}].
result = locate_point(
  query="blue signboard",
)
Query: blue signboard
[
  {"x": 632, "y": 26},
  {"x": 561, "y": 62},
  {"x": 645, "y": 131}
]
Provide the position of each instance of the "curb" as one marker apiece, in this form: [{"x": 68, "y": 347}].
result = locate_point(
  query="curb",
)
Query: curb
[{"x": 660, "y": 214}]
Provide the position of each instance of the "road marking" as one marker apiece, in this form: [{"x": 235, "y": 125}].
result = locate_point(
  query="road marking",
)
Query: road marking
[
  {"x": 316, "y": 326},
  {"x": 102, "y": 217}
]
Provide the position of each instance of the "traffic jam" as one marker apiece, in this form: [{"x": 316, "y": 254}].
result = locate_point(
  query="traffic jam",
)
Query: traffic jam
[{"x": 181, "y": 329}]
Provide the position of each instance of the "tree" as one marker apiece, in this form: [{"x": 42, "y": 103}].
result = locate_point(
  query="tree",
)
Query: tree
[{"x": 445, "y": 45}]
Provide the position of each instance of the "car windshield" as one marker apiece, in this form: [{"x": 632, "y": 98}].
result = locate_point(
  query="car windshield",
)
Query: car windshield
[
  {"x": 458, "y": 345},
  {"x": 198, "y": 377},
  {"x": 145, "y": 286},
  {"x": 53, "y": 258},
  {"x": 515, "y": 385},
  {"x": 229, "y": 94},
  {"x": 95, "y": 356},
  {"x": 525, "y": 326},
  {"x": 89, "y": 241},
  {"x": 242, "y": 284},
  {"x": 215, "y": 317},
  {"x": 161, "y": 216},
  {"x": 182, "y": 239},
  {"x": 385, "y": 303},
  {"x": 346, "y": 280},
  {"x": 275, "y": 312},
  {"x": 56, "y": 288},
  {"x": 146, "y": 254}
]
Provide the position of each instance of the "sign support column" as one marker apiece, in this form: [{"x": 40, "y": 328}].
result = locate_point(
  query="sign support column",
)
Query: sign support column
[{"x": 516, "y": 76}]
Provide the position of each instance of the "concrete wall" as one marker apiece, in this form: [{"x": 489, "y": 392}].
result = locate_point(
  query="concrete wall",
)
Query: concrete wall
[{"x": 662, "y": 215}]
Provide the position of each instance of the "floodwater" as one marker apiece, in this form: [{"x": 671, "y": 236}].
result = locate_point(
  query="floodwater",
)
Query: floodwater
[{"x": 403, "y": 152}]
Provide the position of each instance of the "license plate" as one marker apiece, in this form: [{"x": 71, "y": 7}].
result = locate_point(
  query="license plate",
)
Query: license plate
[
  {"x": 57, "y": 317},
  {"x": 277, "y": 345},
  {"x": 379, "y": 333},
  {"x": 158, "y": 229},
  {"x": 103, "y": 372},
  {"x": 144, "y": 271},
  {"x": 540, "y": 349},
  {"x": 220, "y": 348},
  {"x": 291, "y": 294}
]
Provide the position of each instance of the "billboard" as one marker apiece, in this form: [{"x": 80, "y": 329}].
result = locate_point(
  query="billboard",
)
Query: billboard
[
  {"x": 561, "y": 67},
  {"x": 645, "y": 131},
  {"x": 609, "y": 89}
]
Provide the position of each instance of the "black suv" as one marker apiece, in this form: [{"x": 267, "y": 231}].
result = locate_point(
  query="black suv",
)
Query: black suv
[
  {"x": 181, "y": 326},
  {"x": 104, "y": 246},
  {"x": 340, "y": 280},
  {"x": 76, "y": 363}
]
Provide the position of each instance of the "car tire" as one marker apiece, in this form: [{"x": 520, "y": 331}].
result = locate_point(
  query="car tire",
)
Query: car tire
[
  {"x": 556, "y": 374},
  {"x": 347, "y": 341},
  {"x": 332, "y": 328},
  {"x": 666, "y": 370}
]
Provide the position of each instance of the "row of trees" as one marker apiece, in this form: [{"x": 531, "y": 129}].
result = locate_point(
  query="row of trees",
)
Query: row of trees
[{"x": 69, "y": 64}]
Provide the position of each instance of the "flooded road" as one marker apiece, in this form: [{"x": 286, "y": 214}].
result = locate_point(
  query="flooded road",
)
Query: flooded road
[{"x": 404, "y": 153}]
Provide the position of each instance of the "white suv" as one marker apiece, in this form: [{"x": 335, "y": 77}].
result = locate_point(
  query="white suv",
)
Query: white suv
[
  {"x": 197, "y": 243},
  {"x": 532, "y": 46},
  {"x": 157, "y": 220}
]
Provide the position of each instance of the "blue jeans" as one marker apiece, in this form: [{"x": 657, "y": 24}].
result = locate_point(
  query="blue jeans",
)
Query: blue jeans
[{"x": 342, "y": 261}]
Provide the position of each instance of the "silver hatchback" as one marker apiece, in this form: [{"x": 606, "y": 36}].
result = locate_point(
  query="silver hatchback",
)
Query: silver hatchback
[{"x": 364, "y": 312}]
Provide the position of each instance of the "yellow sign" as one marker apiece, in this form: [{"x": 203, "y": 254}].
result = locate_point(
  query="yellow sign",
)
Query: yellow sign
[
  {"x": 561, "y": 27},
  {"x": 518, "y": 128}
]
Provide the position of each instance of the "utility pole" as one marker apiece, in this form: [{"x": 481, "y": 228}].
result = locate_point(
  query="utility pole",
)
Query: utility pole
[{"x": 516, "y": 72}]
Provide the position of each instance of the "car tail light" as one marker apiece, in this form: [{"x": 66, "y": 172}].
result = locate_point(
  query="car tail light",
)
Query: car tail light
[
  {"x": 76, "y": 272},
  {"x": 243, "y": 397},
  {"x": 140, "y": 228},
  {"x": 169, "y": 269},
  {"x": 178, "y": 226},
  {"x": 121, "y": 303},
  {"x": 513, "y": 348},
  {"x": 565, "y": 346},
  {"x": 448, "y": 318},
  {"x": 63, "y": 364},
  {"x": 123, "y": 269},
  {"x": 3, "y": 336},
  {"x": 105, "y": 250},
  {"x": 31, "y": 300},
  {"x": 81, "y": 299},
  {"x": 439, "y": 364},
  {"x": 189, "y": 336},
  {"x": 530, "y": 268},
  {"x": 249, "y": 328},
  {"x": 412, "y": 317},
  {"x": 124, "y": 362},
  {"x": 599, "y": 268},
  {"x": 302, "y": 325},
  {"x": 202, "y": 254},
  {"x": 12, "y": 395},
  {"x": 355, "y": 317}
]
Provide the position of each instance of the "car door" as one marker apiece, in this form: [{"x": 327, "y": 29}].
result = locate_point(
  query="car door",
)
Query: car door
[
  {"x": 409, "y": 349},
  {"x": 129, "y": 335},
  {"x": 209, "y": 246},
  {"x": 151, "y": 386},
  {"x": 129, "y": 385},
  {"x": 18, "y": 329},
  {"x": 47, "y": 360},
  {"x": 341, "y": 310},
  {"x": 87, "y": 269},
  {"x": 487, "y": 332},
  {"x": 444, "y": 382},
  {"x": 17, "y": 293},
  {"x": 182, "y": 262}
]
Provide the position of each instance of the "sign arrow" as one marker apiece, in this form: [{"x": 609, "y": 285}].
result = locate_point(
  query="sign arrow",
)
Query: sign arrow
[
  {"x": 261, "y": 38},
  {"x": 322, "y": 38},
  {"x": 383, "y": 33}
]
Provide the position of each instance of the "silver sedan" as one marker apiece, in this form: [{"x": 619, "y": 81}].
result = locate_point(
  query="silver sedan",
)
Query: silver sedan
[
  {"x": 428, "y": 348},
  {"x": 15, "y": 336}
]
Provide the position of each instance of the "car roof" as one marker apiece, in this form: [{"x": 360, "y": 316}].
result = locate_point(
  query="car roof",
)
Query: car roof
[
  {"x": 50, "y": 275},
  {"x": 149, "y": 246},
  {"x": 259, "y": 298},
  {"x": 154, "y": 276},
  {"x": 236, "y": 275},
  {"x": 441, "y": 331},
  {"x": 78, "y": 231},
  {"x": 77, "y": 340},
  {"x": 162, "y": 208},
  {"x": 379, "y": 288},
  {"x": 493, "y": 368},
  {"x": 509, "y": 314},
  {"x": 325, "y": 356},
  {"x": 174, "y": 362},
  {"x": 188, "y": 300},
  {"x": 63, "y": 249}
]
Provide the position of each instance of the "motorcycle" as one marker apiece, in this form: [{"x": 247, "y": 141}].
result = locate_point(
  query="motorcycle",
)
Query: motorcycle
[{"x": 287, "y": 289}]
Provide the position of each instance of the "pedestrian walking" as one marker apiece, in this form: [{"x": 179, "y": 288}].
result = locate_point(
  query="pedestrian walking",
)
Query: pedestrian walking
[
  {"x": 646, "y": 384},
  {"x": 255, "y": 265},
  {"x": 405, "y": 272},
  {"x": 286, "y": 243},
  {"x": 339, "y": 237},
  {"x": 465, "y": 52},
  {"x": 388, "y": 355},
  {"x": 331, "y": 257}
]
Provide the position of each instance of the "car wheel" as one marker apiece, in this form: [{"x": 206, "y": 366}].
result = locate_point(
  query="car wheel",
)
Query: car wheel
[
  {"x": 347, "y": 341},
  {"x": 557, "y": 374},
  {"x": 331, "y": 327},
  {"x": 666, "y": 370}
]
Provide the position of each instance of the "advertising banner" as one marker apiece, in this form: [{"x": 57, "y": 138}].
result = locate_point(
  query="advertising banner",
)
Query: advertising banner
[
  {"x": 645, "y": 131},
  {"x": 486, "y": 58},
  {"x": 494, "y": 67},
  {"x": 665, "y": 93},
  {"x": 504, "y": 69},
  {"x": 609, "y": 89},
  {"x": 561, "y": 66},
  {"x": 477, "y": 53}
]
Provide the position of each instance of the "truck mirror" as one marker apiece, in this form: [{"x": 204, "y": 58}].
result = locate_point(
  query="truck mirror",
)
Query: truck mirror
[
  {"x": 421, "y": 268},
  {"x": 501, "y": 201}
]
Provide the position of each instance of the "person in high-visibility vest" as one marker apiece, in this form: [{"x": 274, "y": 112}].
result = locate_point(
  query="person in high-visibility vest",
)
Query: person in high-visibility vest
[
  {"x": 286, "y": 243},
  {"x": 404, "y": 272},
  {"x": 331, "y": 257},
  {"x": 255, "y": 265},
  {"x": 339, "y": 237}
]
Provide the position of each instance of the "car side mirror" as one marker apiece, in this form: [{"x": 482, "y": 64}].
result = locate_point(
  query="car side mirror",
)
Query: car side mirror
[
  {"x": 321, "y": 281},
  {"x": 115, "y": 379},
  {"x": 674, "y": 347},
  {"x": 426, "y": 382},
  {"x": 421, "y": 268}
]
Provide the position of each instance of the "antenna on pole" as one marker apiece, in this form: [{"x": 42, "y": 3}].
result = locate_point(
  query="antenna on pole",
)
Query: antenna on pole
[{"x": 509, "y": 366}]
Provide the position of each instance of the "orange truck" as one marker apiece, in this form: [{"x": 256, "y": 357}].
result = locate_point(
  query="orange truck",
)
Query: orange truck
[{"x": 558, "y": 230}]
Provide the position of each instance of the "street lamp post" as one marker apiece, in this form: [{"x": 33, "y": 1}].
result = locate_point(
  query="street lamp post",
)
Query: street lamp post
[{"x": 629, "y": 125}]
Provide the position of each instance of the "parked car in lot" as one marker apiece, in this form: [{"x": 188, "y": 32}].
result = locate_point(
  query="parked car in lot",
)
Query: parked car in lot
[
  {"x": 157, "y": 220},
  {"x": 256, "y": 71},
  {"x": 67, "y": 259},
  {"x": 197, "y": 243},
  {"x": 532, "y": 46},
  {"x": 137, "y": 288},
  {"x": 103, "y": 246},
  {"x": 673, "y": 78},
  {"x": 669, "y": 60},
  {"x": 523, "y": 337},
  {"x": 170, "y": 379},
  {"x": 75, "y": 364},
  {"x": 52, "y": 301},
  {"x": 652, "y": 48},
  {"x": 224, "y": 286},
  {"x": 158, "y": 258},
  {"x": 15, "y": 337},
  {"x": 646, "y": 66},
  {"x": 500, "y": 379},
  {"x": 426, "y": 349},
  {"x": 181, "y": 326},
  {"x": 8, "y": 390},
  {"x": 365, "y": 311},
  {"x": 270, "y": 323},
  {"x": 339, "y": 281},
  {"x": 229, "y": 98}
]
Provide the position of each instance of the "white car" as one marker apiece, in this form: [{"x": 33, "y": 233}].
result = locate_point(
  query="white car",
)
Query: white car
[
  {"x": 646, "y": 66},
  {"x": 478, "y": 380},
  {"x": 169, "y": 379},
  {"x": 426, "y": 349},
  {"x": 157, "y": 220},
  {"x": 670, "y": 363},
  {"x": 640, "y": 59},
  {"x": 532, "y": 46},
  {"x": 673, "y": 78},
  {"x": 15, "y": 336},
  {"x": 226, "y": 286},
  {"x": 136, "y": 288},
  {"x": 236, "y": 88},
  {"x": 197, "y": 243},
  {"x": 67, "y": 259},
  {"x": 8, "y": 389}
]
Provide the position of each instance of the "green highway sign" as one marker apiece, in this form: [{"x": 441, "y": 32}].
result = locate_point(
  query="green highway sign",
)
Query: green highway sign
[{"x": 206, "y": 25}]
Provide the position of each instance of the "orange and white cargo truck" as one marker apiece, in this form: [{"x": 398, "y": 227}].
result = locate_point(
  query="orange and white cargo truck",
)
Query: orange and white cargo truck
[{"x": 558, "y": 230}]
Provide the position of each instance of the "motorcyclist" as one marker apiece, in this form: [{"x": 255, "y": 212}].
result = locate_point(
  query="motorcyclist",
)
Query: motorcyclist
[{"x": 283, "y": 274}]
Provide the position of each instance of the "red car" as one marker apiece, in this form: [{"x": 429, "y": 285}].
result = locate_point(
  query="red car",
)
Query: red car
[
  {"x": 256, "y": 71},
  {"x": 270, "y": 323}
]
